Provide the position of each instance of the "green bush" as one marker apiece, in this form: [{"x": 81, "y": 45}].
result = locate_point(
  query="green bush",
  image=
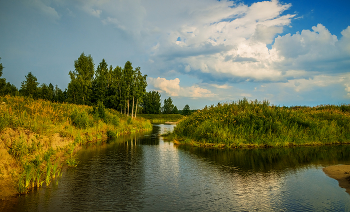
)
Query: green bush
[
  {"x": 111, "y": 134},
  {"x": 80, "y": 119}
]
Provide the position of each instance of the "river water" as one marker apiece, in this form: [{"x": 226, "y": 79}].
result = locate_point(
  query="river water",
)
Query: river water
[{"x": 146, "y": 173}]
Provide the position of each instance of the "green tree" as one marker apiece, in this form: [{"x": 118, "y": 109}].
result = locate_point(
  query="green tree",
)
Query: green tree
[
  {"x": 186, "y": 110},
  {"x": 175, "y": 110},
  {"x": 128, "y": 74},
  {"x": 100, "y": 83},
  {"x": 151, "y": 103},
  {"x": 59, "y": 95},
  {"x": 6, "y": 88},
  {"x": 168, "y": 106},
  {"x": 114, "y": 93},
  {"x": 140, "y": 84},
  {"x": 1, "y": 68},
  {"x": 80, "y": 86},
  {"x": 29, "y": 87},
  {"x": 46, "y": 92}
]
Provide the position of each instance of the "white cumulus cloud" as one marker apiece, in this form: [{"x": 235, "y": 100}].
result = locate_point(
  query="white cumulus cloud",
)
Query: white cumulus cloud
[{"x": 172, "y": 88}]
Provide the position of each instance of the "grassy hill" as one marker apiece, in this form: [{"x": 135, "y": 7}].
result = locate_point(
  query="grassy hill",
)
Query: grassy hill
[
  {"x": 37, "y": 137},
  {"x": 257, "y": 124}
]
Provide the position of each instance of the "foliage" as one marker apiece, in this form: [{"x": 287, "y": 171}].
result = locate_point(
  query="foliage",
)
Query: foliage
[
  {"x": 80, "y": 119},
  {"x": 1, "y": 68},
  {"x": 80, "y": 86},
  {"x": 186, "y": 110},
  {"x": 111, "y": 134},
  {"x": 72, "y": 162},
  {"x": 257, "y": 124},
  {"x": 175, "y": 110},
  {"x": 29, "y": 87},
  {"x": 168, "y": 106},
  {"x": 151, "y": 103}
]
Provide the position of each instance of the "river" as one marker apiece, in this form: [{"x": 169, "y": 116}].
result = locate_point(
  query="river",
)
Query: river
[{"x": 146, "y": 173}]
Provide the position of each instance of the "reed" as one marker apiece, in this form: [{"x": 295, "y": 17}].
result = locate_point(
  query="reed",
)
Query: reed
[{"x": 257, "y": 124}]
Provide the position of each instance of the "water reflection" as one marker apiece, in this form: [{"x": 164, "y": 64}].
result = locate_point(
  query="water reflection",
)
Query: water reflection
[
  {"x": 272, "y": 159},
  {"x": 146, "y": 173}
]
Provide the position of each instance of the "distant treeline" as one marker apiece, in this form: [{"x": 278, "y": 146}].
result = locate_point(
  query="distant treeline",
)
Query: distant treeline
[{"x": 122, "y": 89}]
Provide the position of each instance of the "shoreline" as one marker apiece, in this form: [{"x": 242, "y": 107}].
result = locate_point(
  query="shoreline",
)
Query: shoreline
[
  {"x": 194, "y": 143},
  {"x": 341, "y": 173}
]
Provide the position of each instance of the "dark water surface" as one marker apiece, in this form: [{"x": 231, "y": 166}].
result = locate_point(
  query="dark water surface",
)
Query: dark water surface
[{"x": 145, "y": 173}]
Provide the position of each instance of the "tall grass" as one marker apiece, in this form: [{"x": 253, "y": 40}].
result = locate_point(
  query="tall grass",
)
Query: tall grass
[
  {"x": 39, "y": 122},
  {"x": 257, "y": 124}
]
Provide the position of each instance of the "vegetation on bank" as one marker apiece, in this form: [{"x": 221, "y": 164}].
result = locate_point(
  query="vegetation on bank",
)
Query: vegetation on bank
[
  {"x": 257, "y": 124},
  {"x": 37, "y": 137},
  {"x": 162, "y": 118}
]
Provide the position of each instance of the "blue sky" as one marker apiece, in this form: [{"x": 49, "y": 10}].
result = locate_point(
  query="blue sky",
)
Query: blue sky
[{"x": 199, "y": 52}]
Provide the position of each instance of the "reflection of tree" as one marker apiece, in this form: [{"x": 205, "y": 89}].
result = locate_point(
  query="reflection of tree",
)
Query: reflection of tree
[
  {"x": 108, "y": 178},
  {"x": 273, "y": 159}
]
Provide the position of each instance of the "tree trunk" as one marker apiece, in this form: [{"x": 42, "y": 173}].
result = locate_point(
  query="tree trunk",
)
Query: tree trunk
[
  {"x": 132, "y": 108},
  {"x": 137, "y": 100},
  {"x": 128, "y": 107}
]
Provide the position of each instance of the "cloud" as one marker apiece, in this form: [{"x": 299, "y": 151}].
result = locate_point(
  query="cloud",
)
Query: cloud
[
  {"x": 225, "y": 86},
  {"x": 223, "y": 42},
  {"x": 266, "y": 34},
  {"x": 316, "y": 50},
  {"x": 172, "y": 88},
  {"x": 45, "y": 9}
]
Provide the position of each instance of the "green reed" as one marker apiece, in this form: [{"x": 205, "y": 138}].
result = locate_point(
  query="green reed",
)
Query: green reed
[{"x": 257, "y": 124}]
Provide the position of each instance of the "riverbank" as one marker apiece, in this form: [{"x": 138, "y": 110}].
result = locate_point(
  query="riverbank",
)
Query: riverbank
[
  {"x": 162, "y": 118},
  {"x": 256, "y": 124},
  {"x": 341, "y": 173},
  {"x": 38, "y": 137}
]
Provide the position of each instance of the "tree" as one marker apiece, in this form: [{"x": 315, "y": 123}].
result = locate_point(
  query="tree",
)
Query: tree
[
  {"x": 140, "y": 88},
  {"x": 46, "y": 92},
  {"x": 80, "y": 86},
  {"x": 186, "y": 110},
  {"x": 29, "y": 87},
  {"x": 100, "y": 83},
  {"x": 175, "y": 110},
  {"x": 1, "y": 67},
  {"x": 168, "y": 106},
  {"x": 6, "y": 88},
  {"x": 151, "y": 103},
  {"x": 113, "y": 97},
  {"x": 128, "y": 74},
  {"x": 59, "y": 96}
]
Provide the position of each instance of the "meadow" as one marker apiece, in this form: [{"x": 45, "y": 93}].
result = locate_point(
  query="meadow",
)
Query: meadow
[
  {"x": 253, "y": 124},
  {"x": 162, "y": 118},
  {"x": 38, "y": 137}
]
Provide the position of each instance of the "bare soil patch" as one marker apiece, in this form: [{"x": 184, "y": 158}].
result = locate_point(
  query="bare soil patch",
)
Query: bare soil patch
[{"x": 340, "y": 173}]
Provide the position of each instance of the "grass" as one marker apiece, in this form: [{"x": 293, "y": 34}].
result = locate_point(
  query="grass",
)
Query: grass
[
  {"x": 38, "y": 137},
  {"x": 162, "y": 118},
  {"x": 257, "y": 124}
]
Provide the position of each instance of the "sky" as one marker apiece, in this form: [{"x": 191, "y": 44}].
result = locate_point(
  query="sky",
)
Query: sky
[{"x": 198, "y": 52}]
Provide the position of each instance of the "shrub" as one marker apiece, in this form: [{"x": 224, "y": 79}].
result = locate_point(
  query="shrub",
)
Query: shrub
[
  {"x": 111, "y": 134},
  {"x": 80, "y": 119}
]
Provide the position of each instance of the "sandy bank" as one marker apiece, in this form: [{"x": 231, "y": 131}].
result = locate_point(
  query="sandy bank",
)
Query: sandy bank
[
  {"x": 170, "y": 122},
  {"x": 340, "y": 173}
]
